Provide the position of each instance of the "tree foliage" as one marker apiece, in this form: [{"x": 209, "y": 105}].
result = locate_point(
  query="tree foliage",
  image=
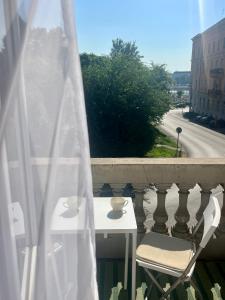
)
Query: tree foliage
[
  {"x": 180, "y": 94},
  {"x": 125, "y": 99},
  {"x": 121, "y": 48}
]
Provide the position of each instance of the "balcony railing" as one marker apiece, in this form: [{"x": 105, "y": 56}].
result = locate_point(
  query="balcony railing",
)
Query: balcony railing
[
  {"x": 134, "y": 176},
  {"x": 217, "y": 72}
]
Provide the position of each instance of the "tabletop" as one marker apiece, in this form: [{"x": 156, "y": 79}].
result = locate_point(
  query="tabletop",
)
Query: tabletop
[{"x": 106, "y": 221}]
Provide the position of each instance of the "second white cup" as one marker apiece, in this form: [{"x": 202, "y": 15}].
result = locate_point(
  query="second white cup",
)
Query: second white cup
[{"x": 118, "y": 203}]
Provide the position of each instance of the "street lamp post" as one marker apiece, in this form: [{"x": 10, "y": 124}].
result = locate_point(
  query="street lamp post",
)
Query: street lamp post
[{"x": 178, "y": 130}]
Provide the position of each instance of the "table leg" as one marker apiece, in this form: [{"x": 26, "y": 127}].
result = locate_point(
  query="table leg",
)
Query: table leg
[
  {"x": 126, "y": 260},
  {"x": 134, "y": 245},
  {"x": 25, "y": 278},
  {"x": 33, "y": 265}
]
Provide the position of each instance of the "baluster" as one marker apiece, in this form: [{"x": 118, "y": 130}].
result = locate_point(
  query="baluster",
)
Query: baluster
[
  {"x": 205, "y": 195},
  {"x": 106, "y": 190},
  {"x": 117, "y": 189},
  {"x": 138, "y": 207},
  {"x": 182, "y": 215},
  {"x": 160, "y": 215},
  {"x": 97, "y": 189},
  {"x": 128, "y": 191},
  {"x": 221, "y": 228}
]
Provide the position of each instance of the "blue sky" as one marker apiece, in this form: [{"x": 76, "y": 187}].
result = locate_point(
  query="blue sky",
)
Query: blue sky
[{"x": 162, "y": 29}]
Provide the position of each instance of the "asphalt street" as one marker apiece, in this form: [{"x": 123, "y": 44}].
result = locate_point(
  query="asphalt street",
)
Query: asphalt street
[{"x": 197, "y": 141}]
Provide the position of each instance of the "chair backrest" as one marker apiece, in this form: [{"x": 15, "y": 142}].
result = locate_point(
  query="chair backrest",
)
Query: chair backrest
[{"x": 211, "y": 217}]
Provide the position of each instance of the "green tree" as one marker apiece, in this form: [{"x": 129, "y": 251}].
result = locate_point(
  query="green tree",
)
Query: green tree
[
  {"x": 180, "y": 94},
  {"x": 125, "y": 99},
  {"x": 121, "y": 48}
]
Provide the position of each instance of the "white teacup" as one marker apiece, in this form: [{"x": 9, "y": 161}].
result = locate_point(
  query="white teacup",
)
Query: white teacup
[
  {"x": 118, "y": 203},
  {"x": 72, "y": 203}
]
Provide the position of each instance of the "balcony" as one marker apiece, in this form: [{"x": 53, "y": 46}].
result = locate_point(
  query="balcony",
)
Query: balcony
[
  {"x": 169, "y": 197},
  {"x": 215, "y": 93},
  {"x": 217, "y": 73},
  {"x": 208, "y": 274}
]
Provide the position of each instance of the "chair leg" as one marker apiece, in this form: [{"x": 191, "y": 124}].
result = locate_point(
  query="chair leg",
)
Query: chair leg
[
  {"x": 165, "y": 294},
  {"x": 155, "y": 281},
  {"x": 149, "y": 289},
  {"x": 194, "y": 285},
  {"x": 173, "y": 286}
]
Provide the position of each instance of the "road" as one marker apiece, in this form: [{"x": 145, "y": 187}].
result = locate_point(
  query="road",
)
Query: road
[{"x": 197, "y": 141}]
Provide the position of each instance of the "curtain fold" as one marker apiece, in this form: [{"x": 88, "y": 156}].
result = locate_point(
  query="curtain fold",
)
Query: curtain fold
[{"x": 46, "y": 214}]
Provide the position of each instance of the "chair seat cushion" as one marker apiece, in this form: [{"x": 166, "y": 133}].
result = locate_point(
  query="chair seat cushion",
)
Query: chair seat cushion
[{"x": 165, "y": 251}]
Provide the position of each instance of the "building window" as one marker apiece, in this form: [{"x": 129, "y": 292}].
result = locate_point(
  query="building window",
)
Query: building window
[
  {"x": 224, "y": 43},
  {"x": 215, "y": 85},
  {"x": 217, "y": 106},
  {"x": 214, "y": 45},
  {"x": 209, "y": 47},
  {"x": 218, "y": 46}
]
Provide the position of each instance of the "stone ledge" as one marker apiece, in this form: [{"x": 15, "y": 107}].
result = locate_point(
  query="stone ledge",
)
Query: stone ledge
[
  {"x": 149, "y": 170},
  {"x": 158, "y": 161}
]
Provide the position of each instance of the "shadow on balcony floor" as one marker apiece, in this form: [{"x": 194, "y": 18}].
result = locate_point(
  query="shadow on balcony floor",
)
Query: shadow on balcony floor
[{"x": 210, "y": 277}]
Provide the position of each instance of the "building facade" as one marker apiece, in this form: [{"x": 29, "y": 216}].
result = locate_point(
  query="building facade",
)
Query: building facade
[{"x": 207, "y": 92}]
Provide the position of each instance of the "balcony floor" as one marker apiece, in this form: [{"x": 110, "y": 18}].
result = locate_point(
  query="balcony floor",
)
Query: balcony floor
[{"x": 210, "y": 277}]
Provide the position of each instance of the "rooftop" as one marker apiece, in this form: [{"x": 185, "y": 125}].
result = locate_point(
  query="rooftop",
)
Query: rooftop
[{"x": 215, "y": 26}]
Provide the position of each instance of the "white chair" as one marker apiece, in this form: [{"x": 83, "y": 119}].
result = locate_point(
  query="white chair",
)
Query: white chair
[{"x": 176, "y": 257}]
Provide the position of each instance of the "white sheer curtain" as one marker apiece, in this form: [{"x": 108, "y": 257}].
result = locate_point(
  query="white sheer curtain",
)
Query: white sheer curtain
[{"x": 47, "y": 245}]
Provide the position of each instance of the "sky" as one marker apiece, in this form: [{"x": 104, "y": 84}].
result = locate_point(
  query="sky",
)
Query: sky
[{"x": 162, "y": 29}]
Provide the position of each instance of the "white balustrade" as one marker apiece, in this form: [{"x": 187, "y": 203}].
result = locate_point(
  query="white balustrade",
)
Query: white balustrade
[{"x": 131, "y": 176}]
